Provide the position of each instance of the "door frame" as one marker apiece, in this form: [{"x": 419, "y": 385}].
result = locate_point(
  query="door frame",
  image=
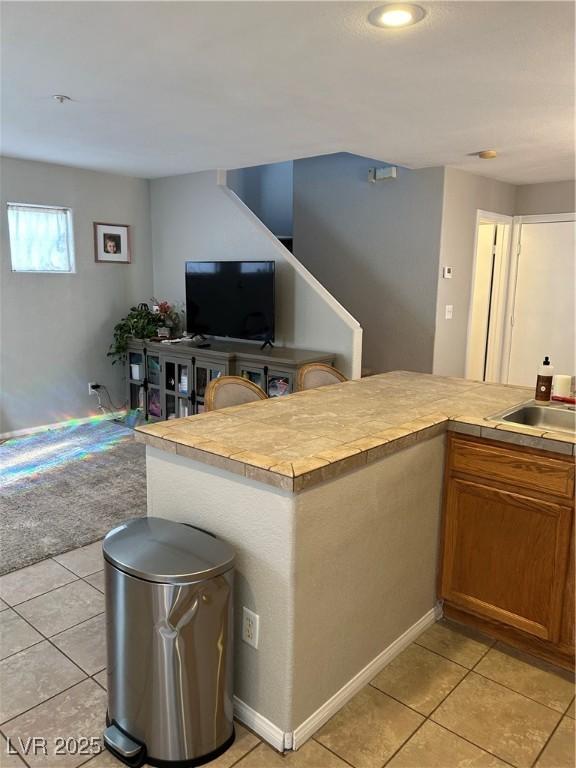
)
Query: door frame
[
  {"x": 516, "y": 241},
  {"x": 496, "y": 330}
]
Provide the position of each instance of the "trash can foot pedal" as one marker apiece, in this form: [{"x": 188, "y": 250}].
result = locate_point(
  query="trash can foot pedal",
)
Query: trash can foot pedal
[{"x": 123, "y": 747}]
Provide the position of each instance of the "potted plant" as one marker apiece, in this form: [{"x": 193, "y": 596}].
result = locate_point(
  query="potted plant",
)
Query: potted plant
[{"x": 141, "y": 322}]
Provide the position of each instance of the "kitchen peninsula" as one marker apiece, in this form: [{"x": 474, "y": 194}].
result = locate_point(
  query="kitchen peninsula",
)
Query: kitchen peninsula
[{"x": 332, "y": 499}]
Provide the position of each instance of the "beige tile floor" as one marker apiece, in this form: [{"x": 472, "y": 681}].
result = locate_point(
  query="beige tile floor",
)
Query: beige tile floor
[{"x": 453, "y": 699}]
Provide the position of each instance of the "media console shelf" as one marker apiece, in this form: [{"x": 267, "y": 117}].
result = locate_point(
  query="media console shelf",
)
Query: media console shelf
[{"x": 168, "y": 381}]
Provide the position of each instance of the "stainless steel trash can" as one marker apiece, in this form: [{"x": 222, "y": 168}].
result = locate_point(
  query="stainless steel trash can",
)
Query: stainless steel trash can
[{"x": 169, "y": 601}]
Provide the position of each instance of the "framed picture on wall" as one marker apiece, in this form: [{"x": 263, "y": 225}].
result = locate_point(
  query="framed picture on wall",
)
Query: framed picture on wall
[{"x": 112, "y": 243}]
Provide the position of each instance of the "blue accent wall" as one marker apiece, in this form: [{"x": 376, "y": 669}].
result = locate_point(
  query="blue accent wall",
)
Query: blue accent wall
[{"x": 268, "y": 191}]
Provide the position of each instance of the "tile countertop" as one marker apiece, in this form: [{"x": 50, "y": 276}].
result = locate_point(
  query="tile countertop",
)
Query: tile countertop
[{"x": 299, "y": 440}]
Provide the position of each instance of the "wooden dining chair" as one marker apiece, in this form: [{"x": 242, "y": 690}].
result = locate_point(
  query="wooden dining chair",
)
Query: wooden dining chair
[
  {"x": 318, "y": 375},
  {"x": 231, "y": 390}
]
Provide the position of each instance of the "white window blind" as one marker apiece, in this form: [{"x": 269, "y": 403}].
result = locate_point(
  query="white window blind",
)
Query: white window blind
[{"x": 41, "y": 238}]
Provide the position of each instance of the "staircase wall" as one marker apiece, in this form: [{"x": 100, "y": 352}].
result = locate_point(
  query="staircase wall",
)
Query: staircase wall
[
  {"x": 196, "y": 216},
  {"x": 376, "y": 249},
  {"x": 267, "y": 190}
]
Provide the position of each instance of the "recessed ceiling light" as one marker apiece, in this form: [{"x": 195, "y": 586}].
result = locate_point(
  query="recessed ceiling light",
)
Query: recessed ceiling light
[
  {"x": 396, "y": 15},
  {"x": 487, "y": 154}
]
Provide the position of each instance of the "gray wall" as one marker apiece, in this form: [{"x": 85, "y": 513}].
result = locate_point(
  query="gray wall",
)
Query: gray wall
[
  {"x": 365, "y": 573},
  {"x": 193, "y": 218},
  {"x": 375, "y": 247},
  {"x": 257, "y": 521},
  {"x": 548, "y": 197},
  {"x": 334, "y": 582},
  {"x": 266, "y": 190},
  {"x": 56, "y": 329},
  {"x": 464, "y": 195}
]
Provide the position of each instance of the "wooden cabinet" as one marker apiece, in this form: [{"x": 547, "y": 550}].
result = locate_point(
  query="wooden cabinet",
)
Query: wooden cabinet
[
  {"x": 507, "y": 558},
  {"x": 169, "y": 381},
  {"x": 567, "y": 625}
]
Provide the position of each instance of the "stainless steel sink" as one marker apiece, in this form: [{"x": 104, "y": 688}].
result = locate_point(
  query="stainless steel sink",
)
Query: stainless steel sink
[{"x": 556, "y": 418}]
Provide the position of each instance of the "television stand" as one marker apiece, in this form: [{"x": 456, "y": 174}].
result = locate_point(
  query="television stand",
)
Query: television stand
[{"x": 169, "y": 381}]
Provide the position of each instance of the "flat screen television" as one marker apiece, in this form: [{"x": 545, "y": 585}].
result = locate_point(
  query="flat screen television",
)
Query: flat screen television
[{"x": 230, "y": 298}]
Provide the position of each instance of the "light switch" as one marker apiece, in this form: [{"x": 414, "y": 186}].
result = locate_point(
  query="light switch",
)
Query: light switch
[{"x": 449, "y": 311}]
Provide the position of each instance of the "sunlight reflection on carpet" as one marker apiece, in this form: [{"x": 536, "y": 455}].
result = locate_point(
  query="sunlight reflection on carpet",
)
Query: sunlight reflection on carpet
[
  {"x": 31, "y": 456},
  {"x": 66, "y": 487}
]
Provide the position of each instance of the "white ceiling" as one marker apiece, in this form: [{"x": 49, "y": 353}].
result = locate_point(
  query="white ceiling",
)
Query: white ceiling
[{"x": 163, "y": 88}]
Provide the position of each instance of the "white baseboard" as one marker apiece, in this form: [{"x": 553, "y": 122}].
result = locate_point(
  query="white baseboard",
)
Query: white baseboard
[
  {"x": 309, "y": 727},
  {"x": 271, "y": 733},
  {"x": 285, "y": 740},
  {"x": 58, "y": 424}
]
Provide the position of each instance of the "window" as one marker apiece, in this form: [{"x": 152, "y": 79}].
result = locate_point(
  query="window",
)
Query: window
[{"x": 41, "y": 238}]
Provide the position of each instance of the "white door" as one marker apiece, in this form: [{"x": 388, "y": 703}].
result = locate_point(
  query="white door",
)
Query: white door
[
  {"x": 543, "y": 303},
  {"x": 488, "y": 299},
  {"x": 480, "y": 303}
]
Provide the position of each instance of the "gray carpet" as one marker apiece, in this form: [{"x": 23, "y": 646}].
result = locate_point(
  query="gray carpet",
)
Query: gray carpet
[{"x": 65, "y": 488}]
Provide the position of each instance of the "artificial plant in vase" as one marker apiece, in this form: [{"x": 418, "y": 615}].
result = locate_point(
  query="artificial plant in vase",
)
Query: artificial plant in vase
[{"x": 171, "y": 316}]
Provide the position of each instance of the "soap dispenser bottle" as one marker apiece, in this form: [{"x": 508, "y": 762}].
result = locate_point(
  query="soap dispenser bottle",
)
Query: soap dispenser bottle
[{"x": 544, "y": 382}]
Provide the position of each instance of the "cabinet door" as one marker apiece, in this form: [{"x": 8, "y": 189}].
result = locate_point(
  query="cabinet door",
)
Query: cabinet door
[
  {"x": 204, "y": 372},
  {"x": 154, "y": 409},
  {"x": 505, "y": 556},
  {"x": 279, "y": 383},
  {"x": 136, "y": 372},
  {"x": 136, "y": 394},
  {"x": 153, "y": 369},
  {"x": 177, "y": 384},
  {"x": 567, "y": 629},
  {"x": 254, "y": 374}
]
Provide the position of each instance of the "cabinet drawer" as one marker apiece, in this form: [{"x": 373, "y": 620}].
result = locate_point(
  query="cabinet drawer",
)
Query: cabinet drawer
[{"x": 525, "y": 470}]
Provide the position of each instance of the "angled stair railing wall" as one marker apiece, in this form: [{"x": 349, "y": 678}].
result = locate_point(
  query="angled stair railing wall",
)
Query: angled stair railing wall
[{"x": 309, "y": 316}]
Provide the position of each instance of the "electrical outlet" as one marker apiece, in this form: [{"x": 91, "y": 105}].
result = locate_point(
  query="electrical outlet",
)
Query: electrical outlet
[
  {"x": 449, "y": 314},
  {"x": 91, "y": 385},
  {"x": 250, "y": 627}
]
